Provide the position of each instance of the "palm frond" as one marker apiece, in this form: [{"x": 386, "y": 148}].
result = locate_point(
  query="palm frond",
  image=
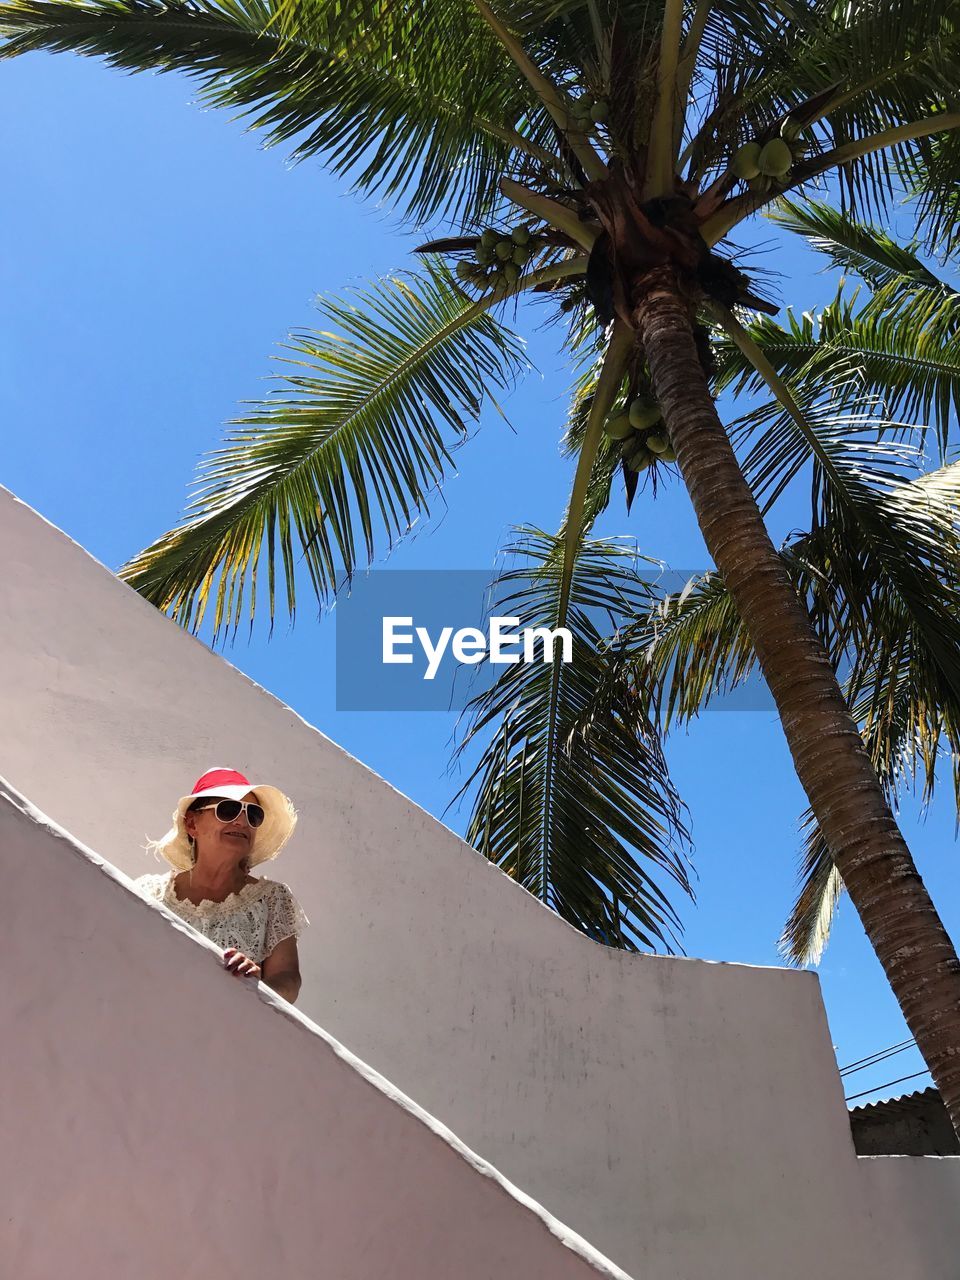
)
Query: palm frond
[
  {"x": 346, "y": 454},
  {"x": 582, "y": 504},
  {"x": 369, "y": 88},
  {"x": 867, "y": 250},
  {"x": 608, "y": 459},
  {"x": 892, "y": 361},
  {"x": 807, "y": 930},
  {"x": 686, "y": 649},
  {"x": 930, "y": 176},
  {"x": 575, "y": 801},
  {"x": 693, "y": 648},
  {"x": 888, "y": 68},
  {"x": 860, "y": 487}
]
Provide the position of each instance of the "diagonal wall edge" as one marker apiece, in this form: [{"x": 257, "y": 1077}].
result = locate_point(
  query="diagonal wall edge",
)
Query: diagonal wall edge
[
  {"x": 157, "y": 1122},
  {"x": 685, "y": 1117}
]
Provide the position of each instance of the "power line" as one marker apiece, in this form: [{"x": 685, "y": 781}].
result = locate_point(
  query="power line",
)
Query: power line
[
  {"x": 878, "y": 1087},
  {"x": 871, "y": 1059}
]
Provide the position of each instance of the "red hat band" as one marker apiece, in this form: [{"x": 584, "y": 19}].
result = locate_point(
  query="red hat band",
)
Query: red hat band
[{"x": 219, "y": 778}]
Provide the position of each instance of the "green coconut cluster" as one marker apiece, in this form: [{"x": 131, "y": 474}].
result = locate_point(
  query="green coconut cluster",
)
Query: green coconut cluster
[
  {"x": 763, "y": 165},
  {"x": 639, "y": 429},
  {"x": 499, "y": 256},
  {"x": 588, "y": 111}
]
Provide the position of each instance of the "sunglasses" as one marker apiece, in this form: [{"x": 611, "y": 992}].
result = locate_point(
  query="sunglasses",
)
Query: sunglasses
[{"x": 230, "y": 810}]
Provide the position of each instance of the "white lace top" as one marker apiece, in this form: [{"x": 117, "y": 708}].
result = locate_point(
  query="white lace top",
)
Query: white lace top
[{"x": 253, "y": 920}]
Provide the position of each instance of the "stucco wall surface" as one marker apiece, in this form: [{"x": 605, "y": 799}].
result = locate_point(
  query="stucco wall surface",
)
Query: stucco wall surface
[
  {"x": 915, "y": 1202},
  {"x": 161, "y": 1121},
  {"x": 685, "y": 1117}
]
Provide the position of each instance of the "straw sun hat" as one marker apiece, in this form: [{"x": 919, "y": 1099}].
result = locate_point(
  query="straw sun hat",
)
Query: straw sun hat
[{"x": 226, "y": 784}]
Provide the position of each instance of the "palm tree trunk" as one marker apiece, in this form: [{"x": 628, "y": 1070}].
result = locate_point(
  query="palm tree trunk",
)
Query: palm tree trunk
[{"x": 871, "y": 855}]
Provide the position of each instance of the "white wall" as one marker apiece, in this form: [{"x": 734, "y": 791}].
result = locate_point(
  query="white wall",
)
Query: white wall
[
  {"x": 160, "y": 1121},
  {"x": 915, "y": 1203},
  {"x": 685, "y": 1117}
]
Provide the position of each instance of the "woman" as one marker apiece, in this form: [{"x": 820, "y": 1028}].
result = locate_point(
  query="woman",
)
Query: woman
[{"x": 222, "y": 829}]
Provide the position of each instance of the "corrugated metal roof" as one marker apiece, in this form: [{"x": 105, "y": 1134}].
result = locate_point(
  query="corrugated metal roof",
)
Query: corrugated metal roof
[
  {"x": 915, "y": 1124},
  {"x": 905, "y": 1102}
]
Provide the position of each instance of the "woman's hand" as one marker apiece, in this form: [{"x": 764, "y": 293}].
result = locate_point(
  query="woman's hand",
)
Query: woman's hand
[{"x": 240, "y": 964}]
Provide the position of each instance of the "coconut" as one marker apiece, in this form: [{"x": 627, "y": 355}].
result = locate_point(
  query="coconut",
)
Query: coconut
[
  {"x": 644, "y": 412},
  {"x": 580, "y": 109},
  {"x": 599, "y": 112},
  {"x": 511, "y": 272},
  {"x": 775, "y": 158},
  {"x": 669, "y": 454},
  {"x": 657, "y": 442},
  {"x": 484, "y": 254},
  {"x": 520, "y": 254},
  {"x": 504, "y": 250},
  {"x": 520, "y": 235},
  {"x": 465, "y": 270},
  {"x": 489, "y": 238},
  {"x": 618, "y": 428},
  {"x": 745, "y": 161},
  {"x": 790, "y": 129},
  {"x": 640, "y": 459}
]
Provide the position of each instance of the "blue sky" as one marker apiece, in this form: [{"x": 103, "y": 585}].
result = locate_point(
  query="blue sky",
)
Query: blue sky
[{"x": 155, "y": 255}]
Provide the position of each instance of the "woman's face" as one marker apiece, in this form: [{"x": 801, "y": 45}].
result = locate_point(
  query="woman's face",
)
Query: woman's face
[{"x": 220, "y": 841}]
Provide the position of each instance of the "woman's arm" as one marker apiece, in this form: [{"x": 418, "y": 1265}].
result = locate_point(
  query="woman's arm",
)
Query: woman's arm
[{"x": 281, "y": 970}]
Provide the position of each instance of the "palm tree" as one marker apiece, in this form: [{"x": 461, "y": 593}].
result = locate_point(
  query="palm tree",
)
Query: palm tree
[
  {"x": 866, "y": 582},
  {"x": 633, "y": 140},
  {"x": 886, "y": 608}
]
